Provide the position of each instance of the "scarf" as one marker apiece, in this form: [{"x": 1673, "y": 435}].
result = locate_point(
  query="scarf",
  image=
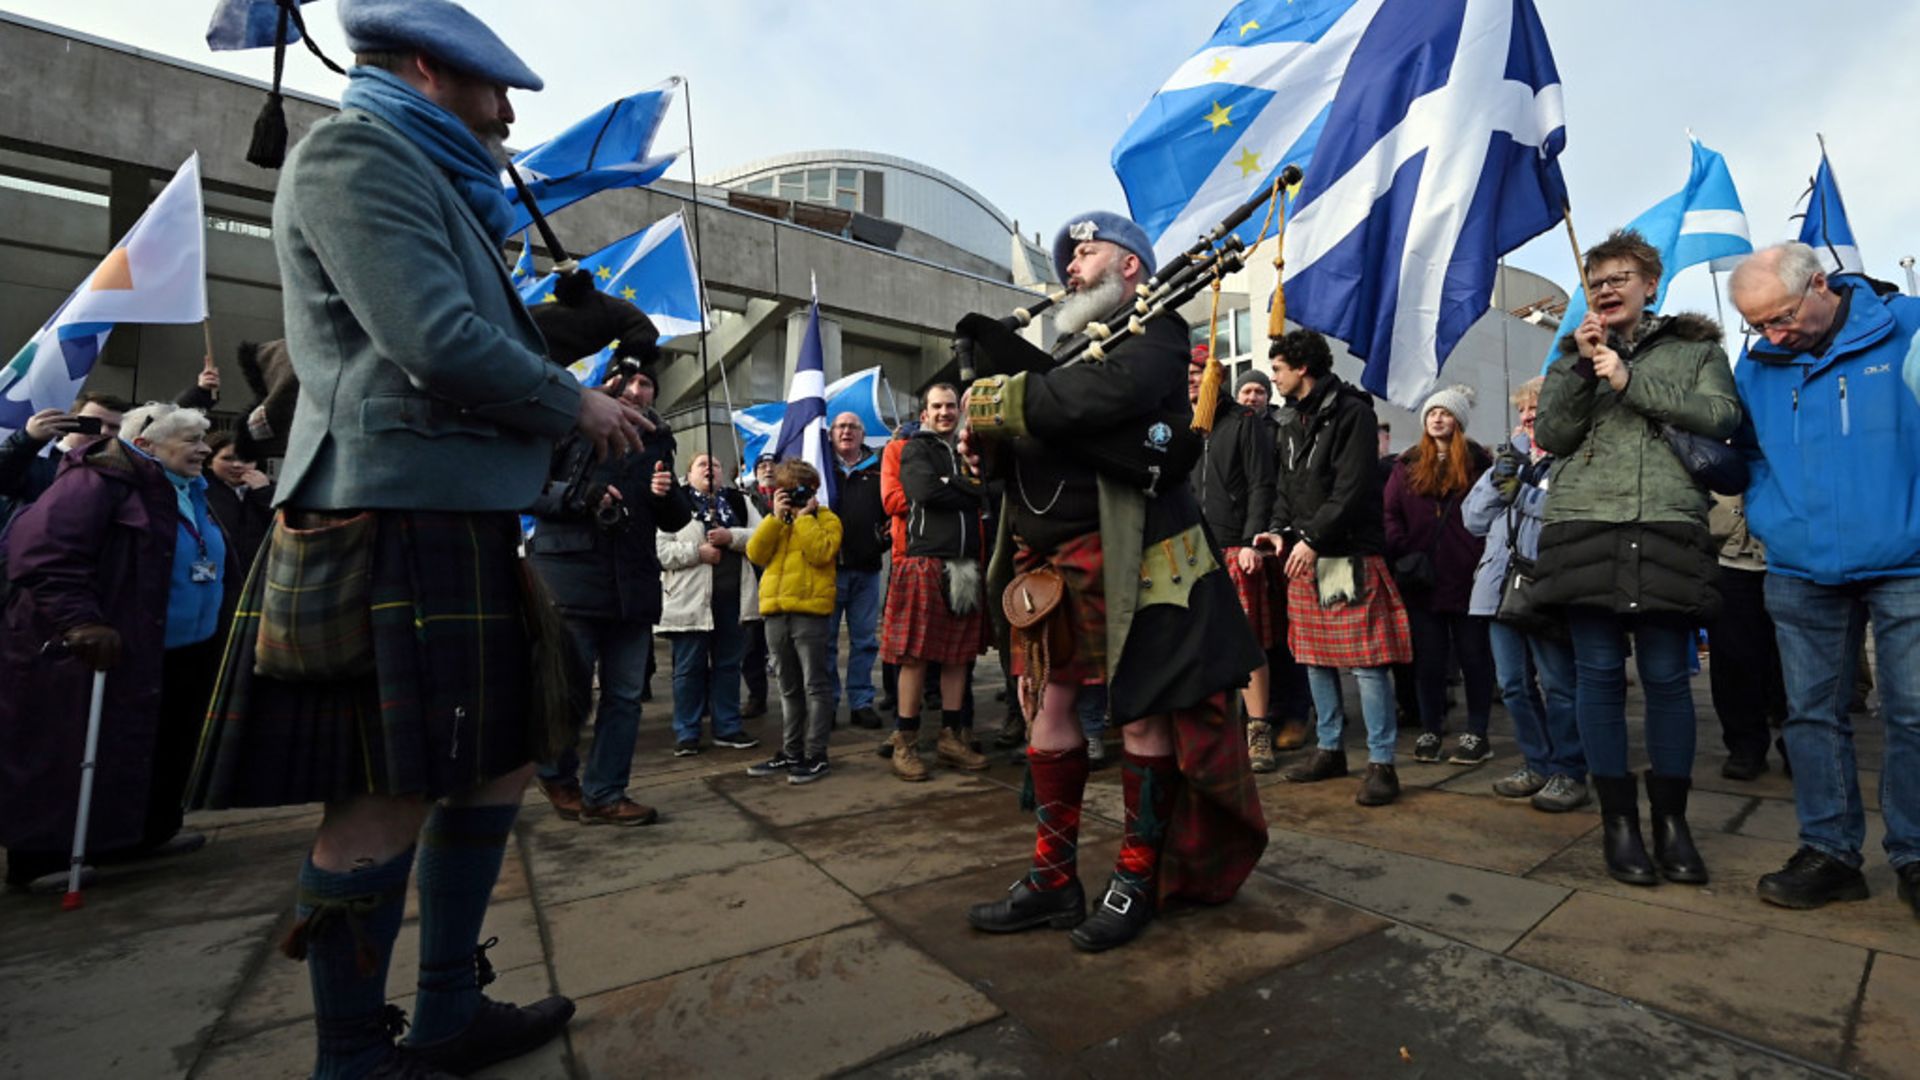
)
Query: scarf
[
  {"x": 442, "y": 136},
  {"x": 713, "y": 510}
]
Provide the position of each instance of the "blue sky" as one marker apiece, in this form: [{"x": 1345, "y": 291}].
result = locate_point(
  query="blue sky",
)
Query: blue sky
[{"x": 1023, "y": 101}]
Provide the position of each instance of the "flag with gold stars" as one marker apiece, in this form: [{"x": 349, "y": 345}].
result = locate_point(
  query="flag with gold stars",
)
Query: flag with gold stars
[
  {"x": 1249, "y": 102},
  {"x": 652, "y": 269}
]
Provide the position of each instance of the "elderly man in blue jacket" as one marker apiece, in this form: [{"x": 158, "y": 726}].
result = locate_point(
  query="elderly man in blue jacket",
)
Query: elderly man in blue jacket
[
  {"x": 426, "y": 418},
  {"x": 1834, "y": 445}
]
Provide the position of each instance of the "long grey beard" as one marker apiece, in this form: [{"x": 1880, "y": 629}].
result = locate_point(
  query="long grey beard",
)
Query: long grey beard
[{"x": 1082, "y": 307}]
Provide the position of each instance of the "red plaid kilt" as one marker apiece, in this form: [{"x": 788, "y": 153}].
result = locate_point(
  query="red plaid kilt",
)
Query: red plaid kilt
[
  {"x": 1256, "y": 599},
  {"x": 919, "y": 624},
  {"x": 1370, "y": 632},
  {"x": 1081, "y": 563}
]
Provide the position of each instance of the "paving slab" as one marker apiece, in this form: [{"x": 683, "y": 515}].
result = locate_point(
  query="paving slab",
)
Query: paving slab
[
  {"x": 1071, "y": 999},
  {"x": 1889, "y": 1026},
  {"x": 858, "y": 783},
  {"x": 698, "y": 832},
  {"x": 617, "y": 939},
  {"x": 1479, "y": 907},
  {"x": 1404, "y": 1003},
  {"x": 806, "y": 1008},
  {"x": 1774, "y": 819},
  {"x": 131, "y": 1005},
  {"x": 1484, "y": 833},
  {"x": 879, "y": 852},
  {"x": 1002, "y": 1050},
  {"x": 1736, "y": 864},
  {"x": 1780, "y": 989}
]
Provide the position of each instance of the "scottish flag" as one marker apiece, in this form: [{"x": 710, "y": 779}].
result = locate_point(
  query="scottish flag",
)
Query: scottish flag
[
  {"x": 1700, "y": 223},
  {"x": 652, "y": 269},
  {"x": 1439, "y": 156},
  {"x": 610, "y": 149},
  {"x": 250, "y": 24},
  {"x": 803, "y": 430},
  {"x": 865, "y": 394},
  {"x": 1252, "y": 100},
  {"x": 1824, "y": 225}
]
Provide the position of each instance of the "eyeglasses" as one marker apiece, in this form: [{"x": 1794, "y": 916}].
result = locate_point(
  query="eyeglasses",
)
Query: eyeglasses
[
  {"x": 1778, "y": 322},
  {"x": 1616, "y": 282}
]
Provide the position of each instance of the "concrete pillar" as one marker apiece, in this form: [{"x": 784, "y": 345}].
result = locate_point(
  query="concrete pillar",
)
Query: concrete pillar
[{"x": 829, "y": 347}]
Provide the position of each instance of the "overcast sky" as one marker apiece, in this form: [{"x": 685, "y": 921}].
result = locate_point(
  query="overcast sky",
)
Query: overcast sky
[{"x": 1024, "y": 100}]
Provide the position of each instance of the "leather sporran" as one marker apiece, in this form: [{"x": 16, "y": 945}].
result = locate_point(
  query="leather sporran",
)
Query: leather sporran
[
  {"x": 316, "y": 612},
  {"x": 1033, "y": 604}
]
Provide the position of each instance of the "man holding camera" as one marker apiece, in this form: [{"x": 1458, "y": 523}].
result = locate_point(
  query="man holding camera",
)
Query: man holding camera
[{"x": 593, "y": 546}]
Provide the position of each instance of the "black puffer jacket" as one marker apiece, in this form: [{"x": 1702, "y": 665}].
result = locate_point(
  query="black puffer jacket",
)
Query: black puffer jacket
[
  {"x": 1328, "y": 489},
  {"x": 599, "y": 573},
  {"x": 863, "y": 520},
  {"x": 944, "y": 502},
  {"x": 1233, "y": 481}
]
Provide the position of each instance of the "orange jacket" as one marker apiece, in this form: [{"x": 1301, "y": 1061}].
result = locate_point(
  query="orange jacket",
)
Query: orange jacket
[{"x": 893, "y": 496}]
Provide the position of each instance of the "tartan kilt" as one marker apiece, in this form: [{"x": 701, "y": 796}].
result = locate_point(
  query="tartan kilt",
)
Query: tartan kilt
[
  {"x": 1081, "y": 563},
  {"x": 1371, "y": 632},
  {"x": 448, "y": 704},
  {"x": 919, "y": 624},
  {"x": 1256, "y": 599}
]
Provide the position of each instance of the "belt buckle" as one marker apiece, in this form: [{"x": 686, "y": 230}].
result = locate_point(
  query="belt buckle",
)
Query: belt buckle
[{"x": 1125, "y": 905}]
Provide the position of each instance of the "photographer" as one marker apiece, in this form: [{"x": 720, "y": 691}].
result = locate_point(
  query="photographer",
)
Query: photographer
[
  {"x": 796, "y": 546},
  {"x": 593, "y": 546}
]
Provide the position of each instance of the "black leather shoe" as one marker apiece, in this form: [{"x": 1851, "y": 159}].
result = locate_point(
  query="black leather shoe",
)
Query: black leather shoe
[
  {"x": 1620, "y": 843},
  {"x": 1673, "y": 850},
  {"x": 498, "y": 1032},
  {"x": 1380, "y": 786},
  {"x": 1320, "y": 765},
  {"x": 1025, "y": 907},
  {"x": 1812, "y": 879},
  {"x": 1744, "y": 767},
  {"x": 1118, "y": 918},
  {"x": 1910, "y": 886}
]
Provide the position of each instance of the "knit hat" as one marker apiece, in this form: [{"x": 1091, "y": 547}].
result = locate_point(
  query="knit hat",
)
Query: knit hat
[
  {"x": 1253, "y": 375},
  {"x": 1456, "y": 399},
  {"x": 1100, "y": 225},
  {"x": 441, "y": 29}
]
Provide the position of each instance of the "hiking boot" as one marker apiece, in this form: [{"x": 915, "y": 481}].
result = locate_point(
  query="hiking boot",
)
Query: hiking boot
[
  {"x": 954, "y": 750},
  {"x": 1260, "y": 746},
  {"x": 1025, "y": 907},
  {"x": 565, "y": 797},
  {"x": 624, "y": 811},
  {"x": 1561, "y": 794},
  {"x": 1292, "y": 735},
  {"x": 905, "y": 753},
  {"x": 1320, "y": 765},
  {"x": 1123, "y": 912},
  {"x": 1813, "y": 879},
  {"x": 498, "y": 1032},
  {"x": 739, "y": 740},
  {"x": 866, "y": 717},
  {"x": 1521, "y": 783},
  {"x": 1470, "y": 749},
  {"x": 1380, "y": 786},
  {"x": 777, "y": 765},
  {"x": 1426, "y": 748}
]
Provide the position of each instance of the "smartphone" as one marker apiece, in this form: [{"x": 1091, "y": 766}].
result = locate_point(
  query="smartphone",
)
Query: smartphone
[{"x": 86, "y": 425}]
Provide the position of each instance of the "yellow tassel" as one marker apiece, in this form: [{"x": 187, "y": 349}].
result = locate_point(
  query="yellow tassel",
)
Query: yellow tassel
[
  {"x": 1277, "y": 314},
  {"x": 1215, "y": 375}
]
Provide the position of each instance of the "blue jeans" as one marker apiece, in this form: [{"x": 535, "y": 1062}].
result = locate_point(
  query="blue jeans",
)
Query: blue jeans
[
  {"x": 1544, "y": 726},
  {"x": 620, "y": 649},
  {"x": 706, "y": 672},
  {"x": 1376, "y": 707},
  {"x": 858, "y": 596},
  {"x": 1821, "y": 631},
  {"x": 1662, "y": 646},
  {"x": 1091, "y": 704}
]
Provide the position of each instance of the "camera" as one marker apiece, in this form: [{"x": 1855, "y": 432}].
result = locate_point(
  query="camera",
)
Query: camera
[
  {"x": 87, "y": 425},
  {"x": 799, "y": 495}
]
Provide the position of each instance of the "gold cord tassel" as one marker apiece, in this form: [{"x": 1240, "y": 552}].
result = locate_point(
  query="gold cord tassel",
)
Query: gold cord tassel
[
  {"x": 1215, "y": 375},
  {"x": 1277, "y": 314}
]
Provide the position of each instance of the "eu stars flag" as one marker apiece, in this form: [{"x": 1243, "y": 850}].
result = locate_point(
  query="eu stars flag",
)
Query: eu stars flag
[{"x": 612, "y": 148}]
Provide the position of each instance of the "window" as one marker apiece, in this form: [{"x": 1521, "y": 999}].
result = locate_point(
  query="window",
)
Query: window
[
  {"x": 762, "y": 186},
  {"x": 820, "y": 185},
  {"x": 793, "y": 185},
  {"x": 1242, "y": 332}
]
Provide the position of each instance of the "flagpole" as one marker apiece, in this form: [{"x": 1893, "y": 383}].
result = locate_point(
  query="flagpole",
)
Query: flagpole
[
  {"x": 1718, "y": 311},
  {"x": 1579, "y": 263},
  {"x": 699, "y": 271},
  {"x": 207, "y": 364}
]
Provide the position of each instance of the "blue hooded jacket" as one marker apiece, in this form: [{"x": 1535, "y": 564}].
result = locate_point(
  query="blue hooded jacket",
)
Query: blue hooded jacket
[{"x": 1834, "y": 445}]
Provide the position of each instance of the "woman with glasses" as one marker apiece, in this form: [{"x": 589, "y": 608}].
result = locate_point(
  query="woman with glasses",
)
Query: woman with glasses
[{"x": 1624, "y": 546}]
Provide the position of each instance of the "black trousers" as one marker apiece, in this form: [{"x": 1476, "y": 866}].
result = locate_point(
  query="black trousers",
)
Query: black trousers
[
  {"x": 753, "y": 664},
  {"x": 1743, "y": 669},
  {"x": 186, "y": 684},
  {"x": 1438, "y": 639}
]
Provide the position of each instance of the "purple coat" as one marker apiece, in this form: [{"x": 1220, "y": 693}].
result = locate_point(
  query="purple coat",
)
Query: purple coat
[
  {"x": 96, "y": 548},
  {"x": 1414, "y": 523}
]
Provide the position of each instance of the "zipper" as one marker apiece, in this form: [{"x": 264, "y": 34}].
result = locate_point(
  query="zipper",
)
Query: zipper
[
  {"x": 1796, "y": 416},
  {"x": 1846, "y": 418}
]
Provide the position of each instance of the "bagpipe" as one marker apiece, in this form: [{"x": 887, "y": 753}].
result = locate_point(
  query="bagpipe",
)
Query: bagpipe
[{"x": 1142, "y": 451}]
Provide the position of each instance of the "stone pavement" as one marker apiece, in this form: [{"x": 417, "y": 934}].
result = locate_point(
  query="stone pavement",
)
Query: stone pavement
[{"x": 768, "y": 930}]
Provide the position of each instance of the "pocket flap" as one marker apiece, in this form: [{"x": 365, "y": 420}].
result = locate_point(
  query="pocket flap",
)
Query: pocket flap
[{"x": 422, "y": 416}]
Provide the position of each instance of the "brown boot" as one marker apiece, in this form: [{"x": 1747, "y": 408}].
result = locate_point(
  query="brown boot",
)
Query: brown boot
[
  {"x": 1260, "y": 746},
  {"x": 1292, "y": 735},
  {"x": 565, "y": 797},
  {"x": 953, "y": 750},
  {"x": 906, "y": 757},
  {"x": 623, "y": 812}
]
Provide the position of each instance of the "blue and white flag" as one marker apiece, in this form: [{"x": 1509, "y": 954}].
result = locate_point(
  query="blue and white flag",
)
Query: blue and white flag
[
  {"x": 865, "y": 394},
  {"x": 610, "y": 149},
  {"x": 1700, "y": 223},
  {"x": 1824, "y": 225},
  {"x": 157, "y": 273},
  {"x": 1439, "y": 156},
  {"x": 803, "y": 430},
  {"x": 652, "y": 269},
  {"x": 249, "y": 24},
  {"x": 1252, "y": 100}
]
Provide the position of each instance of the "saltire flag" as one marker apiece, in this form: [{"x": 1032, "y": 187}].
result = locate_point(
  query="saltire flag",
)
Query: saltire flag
[
  {"x": 610, "y": 149},
  {"x": 1250, "y": 101},
  {"x": 157, "y": 273},
  {"x": 1439, "y": 155},
  {"x": 865, "y": 394},
  {"x": 652, "y": 269},
  {"x": 249, "y": 24},
  {"x": 1824, "y": 225},
  {"x": 803, "y": 430},
  {"x": 1701, "y": 223}
]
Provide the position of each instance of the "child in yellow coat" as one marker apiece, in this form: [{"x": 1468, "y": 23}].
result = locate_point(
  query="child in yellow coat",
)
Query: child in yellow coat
[{"x": 796, "y": 545}]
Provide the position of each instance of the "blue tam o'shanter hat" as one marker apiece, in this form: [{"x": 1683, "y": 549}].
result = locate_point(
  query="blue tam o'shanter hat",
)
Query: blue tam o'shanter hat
[
  {"x": 441, "y": 29},
  {"x": 1100, "y": 225}
]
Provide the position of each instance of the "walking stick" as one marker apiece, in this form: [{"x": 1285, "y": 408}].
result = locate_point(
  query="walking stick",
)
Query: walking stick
[{"x": 72, "y": 901}]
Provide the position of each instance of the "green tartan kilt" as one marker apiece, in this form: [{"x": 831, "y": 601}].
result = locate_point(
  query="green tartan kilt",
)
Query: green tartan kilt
[{"x": 446, "y": 706}]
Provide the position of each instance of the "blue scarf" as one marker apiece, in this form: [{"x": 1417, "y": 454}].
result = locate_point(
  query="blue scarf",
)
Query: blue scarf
[{"x": 442, "y": 136}]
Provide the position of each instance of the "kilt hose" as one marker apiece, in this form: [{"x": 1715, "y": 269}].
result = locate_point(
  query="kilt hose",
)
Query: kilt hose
[{"x": 447, "y": 706}]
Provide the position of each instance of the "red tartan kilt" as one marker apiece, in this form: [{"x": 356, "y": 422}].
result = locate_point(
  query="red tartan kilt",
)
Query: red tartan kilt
[
  {"x": 1371, "y": 632},
  {"x": 919, "y": 624},
  {"x": 1256, "y": 599}
]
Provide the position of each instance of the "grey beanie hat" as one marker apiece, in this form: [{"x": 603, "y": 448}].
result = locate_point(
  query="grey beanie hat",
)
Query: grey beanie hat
[{"x": 1456, "y": 399}]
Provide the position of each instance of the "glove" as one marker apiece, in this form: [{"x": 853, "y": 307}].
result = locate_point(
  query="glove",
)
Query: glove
[
  {"x": 96, "y": 645},
  {"x": 1508, "y": 488},
  {"x": 1506, "y": 463}
]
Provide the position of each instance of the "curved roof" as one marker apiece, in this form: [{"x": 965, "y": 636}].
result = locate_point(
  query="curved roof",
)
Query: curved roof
[{"x": 857, "y": 157}]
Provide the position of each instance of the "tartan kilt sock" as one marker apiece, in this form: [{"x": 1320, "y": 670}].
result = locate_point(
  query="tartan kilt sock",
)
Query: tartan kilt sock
[
  {"x": 1059, "y": 785},
  {"x": 461, "y": 849},
  {"x": 1148, "y": 784},
  {"x": 346, "y": 924}
]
